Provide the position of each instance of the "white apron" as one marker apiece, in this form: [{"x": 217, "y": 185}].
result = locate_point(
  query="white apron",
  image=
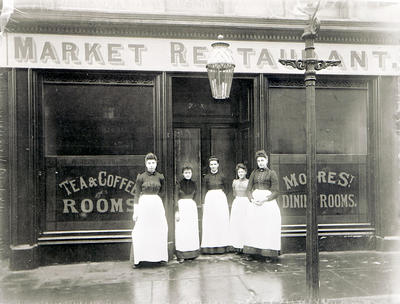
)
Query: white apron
[
  {"x": 237, "y": 221},
  {"x": 215, "y": 233},
  {"x": 187, "y": 229},
  {"x": 263, "y": 224},
  {"x": 150, "y": 234}
]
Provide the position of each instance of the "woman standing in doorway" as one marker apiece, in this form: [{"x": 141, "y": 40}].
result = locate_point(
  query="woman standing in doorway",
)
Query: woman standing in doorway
[
  {"x": 215, "y": 233},
  {"x": 263, "y": 227},
  {"x": 187, "y": 222},
  {"x": 150, "y": 234},
  {"x": 240, "y": 205}
]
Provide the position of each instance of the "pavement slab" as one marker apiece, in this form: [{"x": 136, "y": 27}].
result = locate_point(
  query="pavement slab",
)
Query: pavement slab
[{"x": 345, "y": 277}]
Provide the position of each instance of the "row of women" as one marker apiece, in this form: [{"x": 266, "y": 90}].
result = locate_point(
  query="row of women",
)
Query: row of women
[{"x": 252, "y": 226}]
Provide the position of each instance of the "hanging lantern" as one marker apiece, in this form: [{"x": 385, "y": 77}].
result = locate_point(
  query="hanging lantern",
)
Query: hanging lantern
[{"x": 220, "y": 66}]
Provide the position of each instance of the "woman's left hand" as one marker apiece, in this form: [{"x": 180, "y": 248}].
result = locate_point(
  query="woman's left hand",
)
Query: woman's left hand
[{"x": 258, "y": 203}]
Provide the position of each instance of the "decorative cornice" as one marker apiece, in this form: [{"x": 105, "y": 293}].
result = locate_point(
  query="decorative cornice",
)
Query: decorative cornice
[
  {"x": 197, "y": 27},
  {"x": 321, "y": 83},
  {"x": 98, "y": 77}
]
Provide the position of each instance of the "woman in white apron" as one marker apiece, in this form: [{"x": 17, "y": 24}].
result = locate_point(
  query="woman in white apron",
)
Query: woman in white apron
[
  {"x": 263, "y": 224},
  {"x": 215, "y": 233},
  {"x": 150, "y": 233},
  {"x": 240, "y": 205},
  {"x": 187, "y": 244}
]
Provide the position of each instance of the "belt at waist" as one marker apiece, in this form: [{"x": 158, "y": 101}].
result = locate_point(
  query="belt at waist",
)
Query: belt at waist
[
  {"x": 190, "y": 196},
  {"x": 262, "y": 187},
  {"x": 215, "y": 188},
  {"x": 149, "y": 193}
]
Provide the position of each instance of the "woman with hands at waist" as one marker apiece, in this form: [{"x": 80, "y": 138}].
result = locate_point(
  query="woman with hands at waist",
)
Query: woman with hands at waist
[{"x": 263, "y": 223}]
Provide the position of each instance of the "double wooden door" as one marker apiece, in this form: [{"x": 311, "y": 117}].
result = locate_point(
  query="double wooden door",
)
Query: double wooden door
[{"x": 194, "y": 146}]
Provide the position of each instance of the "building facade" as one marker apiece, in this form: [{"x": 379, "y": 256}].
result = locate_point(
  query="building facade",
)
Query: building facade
[{"x": 86, "y": 92}]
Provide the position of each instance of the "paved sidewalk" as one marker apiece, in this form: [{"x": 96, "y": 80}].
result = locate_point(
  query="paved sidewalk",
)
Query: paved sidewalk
[{"x": 345, "y": 277}]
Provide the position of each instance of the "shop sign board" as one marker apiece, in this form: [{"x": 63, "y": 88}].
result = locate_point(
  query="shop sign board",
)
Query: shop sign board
[
  {"x": 338, "y": 190},
  {"x": 156, "y": 54},
  {"x": 93, "y": 193}
]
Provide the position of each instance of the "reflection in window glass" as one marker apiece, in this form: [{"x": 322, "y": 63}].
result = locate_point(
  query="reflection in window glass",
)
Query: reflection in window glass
[
  {"x": 341, "y": 121},
  {"x": 96, "y": 119},
  {"x": 287, "y": 114}
]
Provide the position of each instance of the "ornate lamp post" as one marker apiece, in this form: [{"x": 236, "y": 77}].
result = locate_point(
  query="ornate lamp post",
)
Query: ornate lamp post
[
  {"x": 310, "y": 64},
  {"x": 220, "y": 66}
]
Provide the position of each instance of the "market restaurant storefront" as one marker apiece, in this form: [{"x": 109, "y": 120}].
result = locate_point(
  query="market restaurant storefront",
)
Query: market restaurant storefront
[{"x": 84, "y": 110}]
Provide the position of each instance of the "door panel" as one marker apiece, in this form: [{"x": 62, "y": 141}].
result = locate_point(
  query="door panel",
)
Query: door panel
[
  {"x": 245, "y": 147},
  {"x": 187, "y": 150},
  {"x": 223, "y": 146}
]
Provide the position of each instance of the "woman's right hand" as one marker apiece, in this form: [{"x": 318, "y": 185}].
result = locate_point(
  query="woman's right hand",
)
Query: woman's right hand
[
  {"x": 135, "y": 212},
  {"x": 177, "y": 217}
]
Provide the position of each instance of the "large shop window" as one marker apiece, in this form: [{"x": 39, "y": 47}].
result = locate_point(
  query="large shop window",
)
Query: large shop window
[
  {"x": 102, "y": 119},
  {"x": 342, "y": 149},
  {"x": 96, "y": 129}
]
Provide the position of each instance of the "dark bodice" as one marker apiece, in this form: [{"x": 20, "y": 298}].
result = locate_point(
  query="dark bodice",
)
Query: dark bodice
[
  {"x": 263, "y": 179},
  {"x": 186, "y": 188},
  {"x": 214, "y": 181},
  {"x": 149, "y": 183}
]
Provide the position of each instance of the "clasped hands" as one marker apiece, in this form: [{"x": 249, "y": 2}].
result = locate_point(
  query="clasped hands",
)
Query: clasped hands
[{"x": 260, "y": 202}]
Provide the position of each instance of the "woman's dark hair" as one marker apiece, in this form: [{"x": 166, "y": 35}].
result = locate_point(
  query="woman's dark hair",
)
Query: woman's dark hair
[
  {"x": 240, "y": 166},
  {"x": 261, "y": 153},
  {"x": 150, "y": 156},
  {"x": 187, "y": 167},
  {"x": 213, "y": 158}
]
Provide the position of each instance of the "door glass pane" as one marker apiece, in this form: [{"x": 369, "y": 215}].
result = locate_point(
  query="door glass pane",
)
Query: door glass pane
[
  {"x": 192, "y": 98},
  {"x": 97, "y": 119}
]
